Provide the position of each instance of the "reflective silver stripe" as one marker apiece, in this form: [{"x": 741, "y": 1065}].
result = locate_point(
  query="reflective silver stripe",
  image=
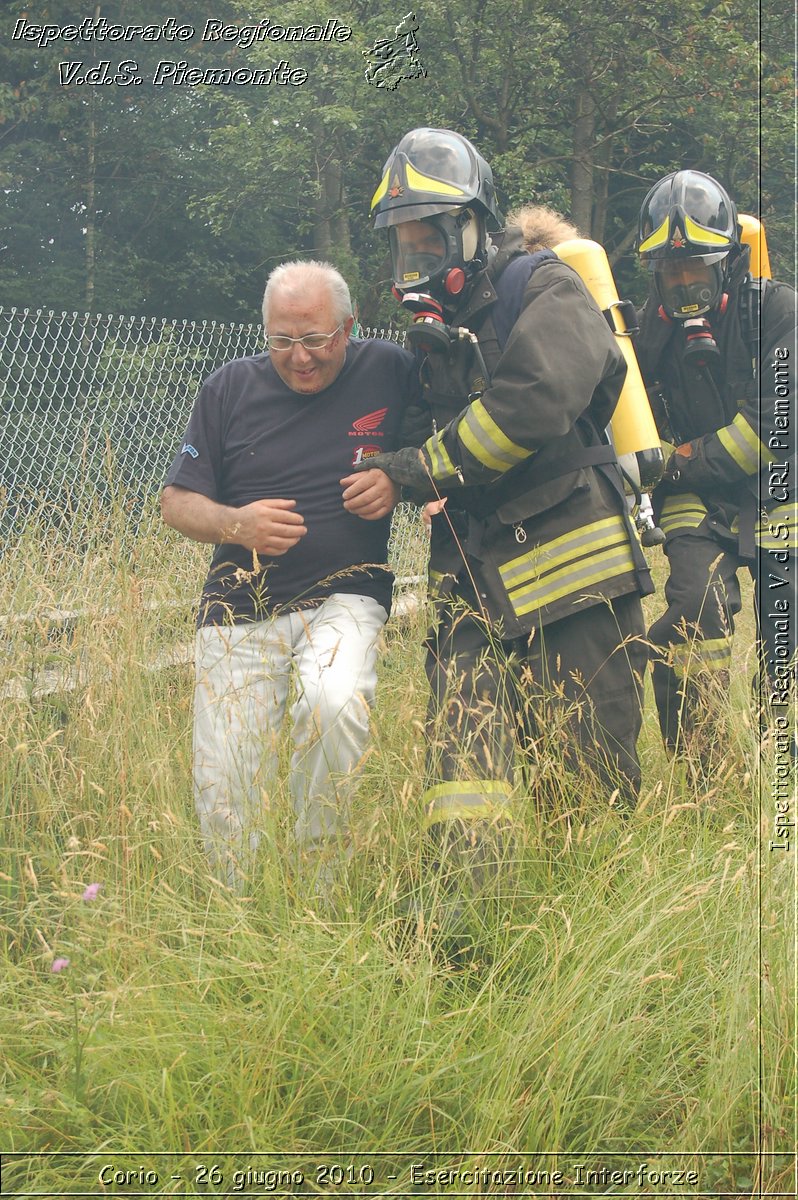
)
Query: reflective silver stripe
[
  {"x": 701, "y": 655},
  {"x": 682, "y": 512},
  {"x": 778, "y": 530},
  {"x": 688, "y": 518},
  {"x": 742, "y": 444},
  {"x": 571, "y": 563},
  {"x": 441, "y": 465},
  {"x": 487, "y": 442},
  {"x": 563, "y": 549},
  {"x": 567, "y": 582},
  {"x": 466, "y": 800}
]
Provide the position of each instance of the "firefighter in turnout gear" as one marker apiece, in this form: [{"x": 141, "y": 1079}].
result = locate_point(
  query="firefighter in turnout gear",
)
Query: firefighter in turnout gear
[
  {"x": 535, "y": 566},
  {"x": 717, "y": 350}
]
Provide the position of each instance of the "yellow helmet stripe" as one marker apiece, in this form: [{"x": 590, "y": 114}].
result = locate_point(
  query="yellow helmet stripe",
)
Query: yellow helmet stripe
[
  {"x": 381, "y": 190},
  {"x": 425, "y": 183},
  {"x": 705, "y": 237},
  {"x": 656, "y": 239}
]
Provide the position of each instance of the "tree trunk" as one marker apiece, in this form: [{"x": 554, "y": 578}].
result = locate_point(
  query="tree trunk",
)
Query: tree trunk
[
  {"x": 339, "y": 215},
  {"x": 321, "y": 224},
  {"x": 582, "y": 162},
  {"x": 331, "y": 233}
]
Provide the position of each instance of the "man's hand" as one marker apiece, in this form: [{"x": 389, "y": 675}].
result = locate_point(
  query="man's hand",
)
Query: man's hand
[
  {"x": 370, "y": 494},
  {"x": 430, "y": 510},
  {"x": 405, "y": 466},
  {"x": 267, "y": 526}
]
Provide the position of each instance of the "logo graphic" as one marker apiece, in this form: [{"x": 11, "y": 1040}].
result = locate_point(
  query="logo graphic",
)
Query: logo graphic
[
  {"x": 396, "y": 188},
  {"x": 369, "y": 423},
  {"x": 393, "y": 59},
  {"x": 364, "y": 452},
  {"x": 189, "y": 449},
  {"x": 677, "y": 241}
]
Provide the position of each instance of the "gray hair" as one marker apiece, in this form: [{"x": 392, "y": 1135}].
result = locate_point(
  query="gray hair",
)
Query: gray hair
[{"x": 298, "y": 277}]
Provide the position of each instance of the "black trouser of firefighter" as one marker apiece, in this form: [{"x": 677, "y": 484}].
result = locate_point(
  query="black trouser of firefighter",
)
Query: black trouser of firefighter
[
  {"x": 568, "y": 695},
  {"x": 691, "y": 643}
]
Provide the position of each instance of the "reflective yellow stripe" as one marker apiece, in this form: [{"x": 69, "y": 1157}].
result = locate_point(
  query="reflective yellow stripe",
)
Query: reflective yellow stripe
[
  {"x": 705, "y": 237},
  {"x": 441, "y": 465},
  {"x": 425, "y": 183},
  {"x": 742, "y": 444},
  {"x": 487, "y": 442},
  {"x": 572, "y": 563},
  {"x": 533, "y": 598},
  {"x": 778, "y": 530},
  {"x": 466, "y": 800},
  {"x": 382, "y": 188},
  {"x": 656, "y": 239},
  {"x": 436, "y": 581},
  {"x": 543, "y": 558},
  {"x": 682, "y": 512},
  {"x": 699, "y": 656},
  {"x": 689, "y": 518}
]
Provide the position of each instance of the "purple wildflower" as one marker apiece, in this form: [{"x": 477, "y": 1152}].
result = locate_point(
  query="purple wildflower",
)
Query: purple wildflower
[
  {"x": 59, "y": 964},
  {"x": 91, "y": 891}
]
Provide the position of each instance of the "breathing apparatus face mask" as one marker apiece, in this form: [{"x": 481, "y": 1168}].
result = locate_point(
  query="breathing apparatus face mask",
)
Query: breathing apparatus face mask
[
  {"x": 689, "y": 287},
  {"x": 436, "y": 255},
  {"x": 418, "y": 253}
]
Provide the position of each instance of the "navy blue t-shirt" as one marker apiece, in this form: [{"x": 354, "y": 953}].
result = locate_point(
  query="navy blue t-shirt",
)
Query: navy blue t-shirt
[{"x": 250, "y": 437}]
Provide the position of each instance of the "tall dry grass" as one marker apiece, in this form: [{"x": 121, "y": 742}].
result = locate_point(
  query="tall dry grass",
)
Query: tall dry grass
[{"x": 630, "y": 1001}]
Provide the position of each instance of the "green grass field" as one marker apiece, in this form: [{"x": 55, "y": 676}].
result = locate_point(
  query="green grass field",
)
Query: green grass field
[{"x": 628, "y": 1009}]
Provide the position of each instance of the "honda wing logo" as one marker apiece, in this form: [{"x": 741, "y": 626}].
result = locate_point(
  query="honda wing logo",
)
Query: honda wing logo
[{"x": 369, "y": 424}]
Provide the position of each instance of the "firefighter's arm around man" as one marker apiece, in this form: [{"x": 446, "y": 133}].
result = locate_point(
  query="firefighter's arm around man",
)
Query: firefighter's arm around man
[
  {"x": 557, "y": 353},
  {"x": 540, "y": 388}
]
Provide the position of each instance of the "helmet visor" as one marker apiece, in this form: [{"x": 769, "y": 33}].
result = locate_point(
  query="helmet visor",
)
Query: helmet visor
[
  {"x": 689, "y": 287},
  {"x": 697, "y": 195},
  {"x": 418, "y": 252}
]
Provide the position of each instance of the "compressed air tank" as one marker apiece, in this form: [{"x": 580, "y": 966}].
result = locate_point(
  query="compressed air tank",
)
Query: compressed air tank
[
  {"x": 753, "y": 235},
  {"x": 632, "y": 428}
]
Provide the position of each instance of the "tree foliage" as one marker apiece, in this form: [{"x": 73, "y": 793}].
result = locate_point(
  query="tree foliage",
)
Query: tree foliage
[{"x": 177, "y": 200}]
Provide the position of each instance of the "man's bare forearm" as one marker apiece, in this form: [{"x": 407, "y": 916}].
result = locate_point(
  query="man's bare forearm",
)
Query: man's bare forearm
[
  {"x": 197, "y": 516},
  {"x": 269, "y": 526}
]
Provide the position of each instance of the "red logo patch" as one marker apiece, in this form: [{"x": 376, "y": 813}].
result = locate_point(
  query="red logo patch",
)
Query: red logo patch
[{"x": 369, "y": 424}]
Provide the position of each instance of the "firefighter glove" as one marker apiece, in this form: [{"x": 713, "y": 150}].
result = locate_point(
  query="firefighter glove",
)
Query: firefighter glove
[{"x": 405, "y": 466}]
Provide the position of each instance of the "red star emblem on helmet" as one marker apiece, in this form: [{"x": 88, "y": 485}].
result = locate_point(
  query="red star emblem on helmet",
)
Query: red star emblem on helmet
[
  {"x": 396, "y": 188},
  {"x": 677, "y": 241}
]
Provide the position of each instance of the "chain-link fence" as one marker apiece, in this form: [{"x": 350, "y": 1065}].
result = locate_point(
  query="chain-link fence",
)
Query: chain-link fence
[{"x": 91, "y": 409}]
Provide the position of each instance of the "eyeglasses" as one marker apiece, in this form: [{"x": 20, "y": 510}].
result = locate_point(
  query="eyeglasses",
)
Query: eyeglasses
[{"x": 311, "y": 341}]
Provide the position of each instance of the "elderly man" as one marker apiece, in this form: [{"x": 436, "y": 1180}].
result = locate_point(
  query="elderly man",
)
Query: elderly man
[{"x": 298, "y": 589}]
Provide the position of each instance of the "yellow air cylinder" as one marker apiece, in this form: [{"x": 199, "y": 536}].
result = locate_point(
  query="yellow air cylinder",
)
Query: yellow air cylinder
[
  {"x": 633, "y": 430},
  {"x": 753, "y": 235}
]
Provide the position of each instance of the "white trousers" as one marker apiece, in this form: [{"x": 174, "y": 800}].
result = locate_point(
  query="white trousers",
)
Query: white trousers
[{"x": 243, "y": 676}]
